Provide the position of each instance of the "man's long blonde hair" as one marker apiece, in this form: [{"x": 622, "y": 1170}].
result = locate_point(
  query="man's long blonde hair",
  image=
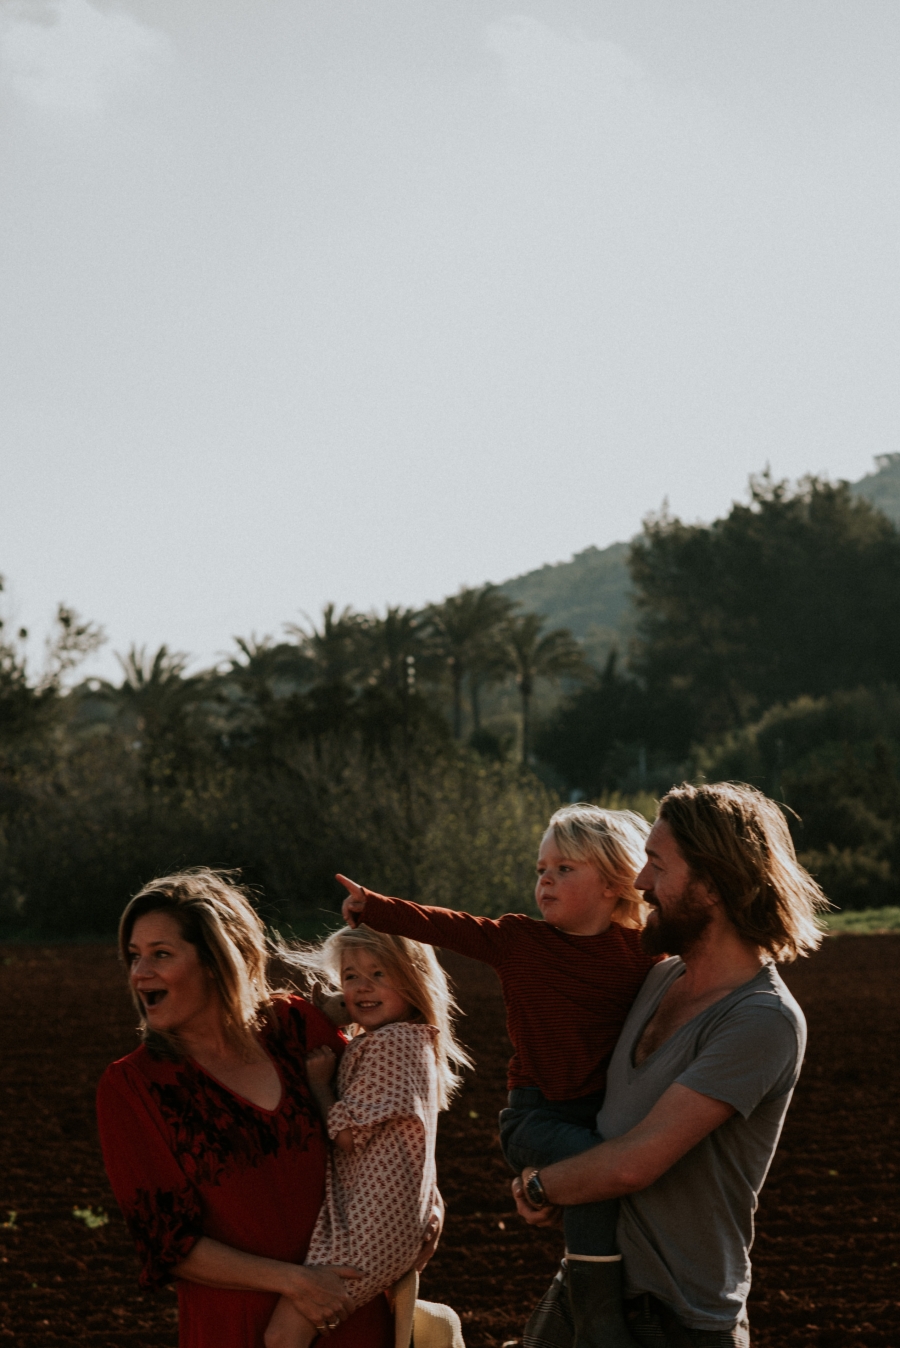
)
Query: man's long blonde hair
[
  {"x": 415, "y": 974},
  {"x": 737, "y": 842},
  {"x": 612, "y": 841}
]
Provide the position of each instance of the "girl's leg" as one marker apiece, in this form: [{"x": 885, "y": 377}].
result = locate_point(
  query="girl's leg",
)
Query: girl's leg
[{"x": 288, "y": 1328}]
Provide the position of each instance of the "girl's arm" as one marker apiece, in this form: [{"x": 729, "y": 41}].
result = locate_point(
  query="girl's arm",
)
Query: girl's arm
[
  {"x": 320, "y": 1065},
  {"x": 320, "y": 1294}
]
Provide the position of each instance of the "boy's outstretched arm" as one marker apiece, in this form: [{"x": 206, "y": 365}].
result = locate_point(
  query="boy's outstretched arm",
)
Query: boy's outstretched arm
[{"x": 481, "y": 938}]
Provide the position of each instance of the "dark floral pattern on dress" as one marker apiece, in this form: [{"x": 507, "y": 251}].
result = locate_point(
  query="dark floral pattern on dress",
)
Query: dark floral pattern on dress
[
  {"x": 213, "y": 1131},
  {"x": 164, "y": 1226}
]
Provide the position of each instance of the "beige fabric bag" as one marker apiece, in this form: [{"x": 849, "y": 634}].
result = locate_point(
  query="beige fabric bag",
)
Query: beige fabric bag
[{"x": 422, "y": 1324}]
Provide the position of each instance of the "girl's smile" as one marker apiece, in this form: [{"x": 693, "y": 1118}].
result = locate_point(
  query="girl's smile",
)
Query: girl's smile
[{"x": 371, "y": 997}]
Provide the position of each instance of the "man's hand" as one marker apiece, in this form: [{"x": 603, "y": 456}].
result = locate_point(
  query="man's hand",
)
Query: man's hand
[
  {"x": 548, "y": 1216},
  {"x": 354, "y": 903},
  {"x": 320, "y": 1065}
]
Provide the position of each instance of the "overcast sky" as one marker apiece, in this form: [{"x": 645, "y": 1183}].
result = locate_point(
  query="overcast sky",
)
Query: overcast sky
[{"x": 353, "y": 301}]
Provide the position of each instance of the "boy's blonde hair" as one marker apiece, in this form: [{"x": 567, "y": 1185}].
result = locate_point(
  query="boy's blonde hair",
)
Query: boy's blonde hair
[
  {"x": 415, "y": 973},
  {"x": 613, "y": 841}
]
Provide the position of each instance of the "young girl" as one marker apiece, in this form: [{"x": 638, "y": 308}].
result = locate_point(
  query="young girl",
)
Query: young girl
[
  {"x": 396, "y": 1073},
  {"x": 568, "y": 982}
]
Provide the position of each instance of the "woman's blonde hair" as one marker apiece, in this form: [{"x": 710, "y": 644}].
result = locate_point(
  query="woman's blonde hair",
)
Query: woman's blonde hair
[
  {"x": 215, "y": 915},
  {"x": 736, "y": 841},
  {"x": 611, "y": 840},
  {"x": 415, "y": 974}
]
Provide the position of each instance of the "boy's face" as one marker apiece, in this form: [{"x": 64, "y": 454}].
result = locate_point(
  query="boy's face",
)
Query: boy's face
[{"x": 572, "y": 895}]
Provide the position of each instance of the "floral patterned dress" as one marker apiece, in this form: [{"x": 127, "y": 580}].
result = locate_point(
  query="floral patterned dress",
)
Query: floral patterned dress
[
  {"x": 379, "y": 1198},
  {"x": 186, "y": 1158}
]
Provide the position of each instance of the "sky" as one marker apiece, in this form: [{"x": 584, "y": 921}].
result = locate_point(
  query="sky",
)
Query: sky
[{"x": 325, "y": 300}]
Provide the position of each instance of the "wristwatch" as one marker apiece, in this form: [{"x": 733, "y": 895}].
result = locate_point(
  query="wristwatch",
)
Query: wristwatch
[{"x": 534, "y": 1191}]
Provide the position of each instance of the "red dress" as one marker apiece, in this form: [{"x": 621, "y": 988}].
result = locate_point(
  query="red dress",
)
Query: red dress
[{"x": 186, "y": 1158}]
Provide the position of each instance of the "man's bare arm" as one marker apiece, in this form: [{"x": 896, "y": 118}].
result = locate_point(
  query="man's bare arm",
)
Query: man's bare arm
[{"x": 677, "y": 1122}]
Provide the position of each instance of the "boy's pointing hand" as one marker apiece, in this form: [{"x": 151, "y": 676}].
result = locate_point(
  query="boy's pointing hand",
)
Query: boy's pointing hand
[{"x": 354, "y": 903}]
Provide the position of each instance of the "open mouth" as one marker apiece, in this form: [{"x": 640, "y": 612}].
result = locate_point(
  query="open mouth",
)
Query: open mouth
[{"x": 153, "y": 996}]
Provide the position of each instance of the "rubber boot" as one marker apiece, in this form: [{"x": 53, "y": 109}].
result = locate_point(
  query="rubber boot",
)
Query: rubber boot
[{"x": 595, "y": 1295}]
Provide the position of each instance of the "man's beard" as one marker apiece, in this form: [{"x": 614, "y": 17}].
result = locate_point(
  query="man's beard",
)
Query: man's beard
[{"x": 676, "y": 932}]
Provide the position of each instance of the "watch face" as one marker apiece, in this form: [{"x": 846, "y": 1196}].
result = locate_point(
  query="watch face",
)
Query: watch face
[{"x": 535, "y": 1191}]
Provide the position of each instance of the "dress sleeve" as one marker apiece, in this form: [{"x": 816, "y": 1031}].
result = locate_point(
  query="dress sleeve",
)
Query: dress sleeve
[
  {"x": 390, "y": 1079},
  {"x": 160, "y": 1206}
]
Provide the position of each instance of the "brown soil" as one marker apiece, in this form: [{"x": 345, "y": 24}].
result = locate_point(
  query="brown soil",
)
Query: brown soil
[{"x": 828, "y": 1231}]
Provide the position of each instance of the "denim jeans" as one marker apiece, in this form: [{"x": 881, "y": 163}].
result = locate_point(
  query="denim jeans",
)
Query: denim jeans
[{"x": 536, "y": 1131}]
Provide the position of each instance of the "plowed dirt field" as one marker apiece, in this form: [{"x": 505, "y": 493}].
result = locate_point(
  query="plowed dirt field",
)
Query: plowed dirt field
[{"x": 828, "y": 1231}]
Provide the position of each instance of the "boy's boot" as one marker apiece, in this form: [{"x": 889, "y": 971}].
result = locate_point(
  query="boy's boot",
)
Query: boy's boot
[{"x": 595, "y": 1295}]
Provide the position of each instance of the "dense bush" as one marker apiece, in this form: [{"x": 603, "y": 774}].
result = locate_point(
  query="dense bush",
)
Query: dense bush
[{"x": 835, "y": 762}]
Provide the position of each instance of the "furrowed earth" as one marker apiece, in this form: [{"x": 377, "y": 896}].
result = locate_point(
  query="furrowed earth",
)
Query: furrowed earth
[{"x": 828, "y": 1229}]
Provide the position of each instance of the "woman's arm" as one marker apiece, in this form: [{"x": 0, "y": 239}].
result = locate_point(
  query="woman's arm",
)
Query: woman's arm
[{"x": 321, "y": 1294}]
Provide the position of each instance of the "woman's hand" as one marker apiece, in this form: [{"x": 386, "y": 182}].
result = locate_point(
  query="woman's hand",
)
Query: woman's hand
[
  {"x": 320, "y": 1065},
  {"x": 354, "y": 903},
  {"x": 548, "y": 1216},
  {"x": 322, "y": 1294}
]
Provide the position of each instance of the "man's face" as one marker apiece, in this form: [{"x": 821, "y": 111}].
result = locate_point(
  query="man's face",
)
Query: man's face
[{"x": 681, "y": 908}]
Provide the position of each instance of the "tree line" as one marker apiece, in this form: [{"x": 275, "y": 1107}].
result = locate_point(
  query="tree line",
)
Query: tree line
[
  {"x": 424, "y": 749},
  {"x": 357, "y": 740}
]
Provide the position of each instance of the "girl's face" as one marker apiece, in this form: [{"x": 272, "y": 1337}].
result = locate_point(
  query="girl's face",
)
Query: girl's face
[
  {"x": 572, "y": 895},
  {"x": 176, "y": 992},
  {"x": 371, "y": 997}
]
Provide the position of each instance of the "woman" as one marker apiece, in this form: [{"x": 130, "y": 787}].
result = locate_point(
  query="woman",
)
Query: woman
[{"x": 212, "y": 1143}]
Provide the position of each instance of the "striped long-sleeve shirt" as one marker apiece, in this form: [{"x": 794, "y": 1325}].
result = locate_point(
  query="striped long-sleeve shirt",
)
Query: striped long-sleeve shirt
[{"x": 566, "y": 996}]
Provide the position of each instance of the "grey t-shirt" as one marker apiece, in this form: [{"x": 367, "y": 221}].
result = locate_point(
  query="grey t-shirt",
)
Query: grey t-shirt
[{"x": 686, "y": 1238}]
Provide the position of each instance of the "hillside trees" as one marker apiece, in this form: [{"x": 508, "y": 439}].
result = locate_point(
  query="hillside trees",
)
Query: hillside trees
[{"x": 796, "y": 592}]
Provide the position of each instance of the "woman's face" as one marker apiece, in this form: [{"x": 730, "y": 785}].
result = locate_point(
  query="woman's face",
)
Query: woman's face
[{"x": 175, "y": 990}]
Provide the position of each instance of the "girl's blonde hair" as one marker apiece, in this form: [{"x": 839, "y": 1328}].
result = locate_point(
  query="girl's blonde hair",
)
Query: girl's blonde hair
[
  {"x": 613, "y": 841},
  {"x": 215, "y": 915},
  {"x": 414, "y": 972}
]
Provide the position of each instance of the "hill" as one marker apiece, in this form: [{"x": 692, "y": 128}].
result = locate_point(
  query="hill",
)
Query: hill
[
  {"x": 590, "y": 593},
  {"x": 882, "y": 488}
]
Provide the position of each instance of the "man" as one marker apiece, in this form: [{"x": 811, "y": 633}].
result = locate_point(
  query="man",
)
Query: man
[{"x": 701, "y": 1077}]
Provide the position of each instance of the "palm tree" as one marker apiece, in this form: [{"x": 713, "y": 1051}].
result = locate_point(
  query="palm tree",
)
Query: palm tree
[
  {"x": 152, "y": 702},
  {"x": 530, "y": 656},
  {"x": 335, "y": 650},
  {"x": 465, "y": 632}
]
